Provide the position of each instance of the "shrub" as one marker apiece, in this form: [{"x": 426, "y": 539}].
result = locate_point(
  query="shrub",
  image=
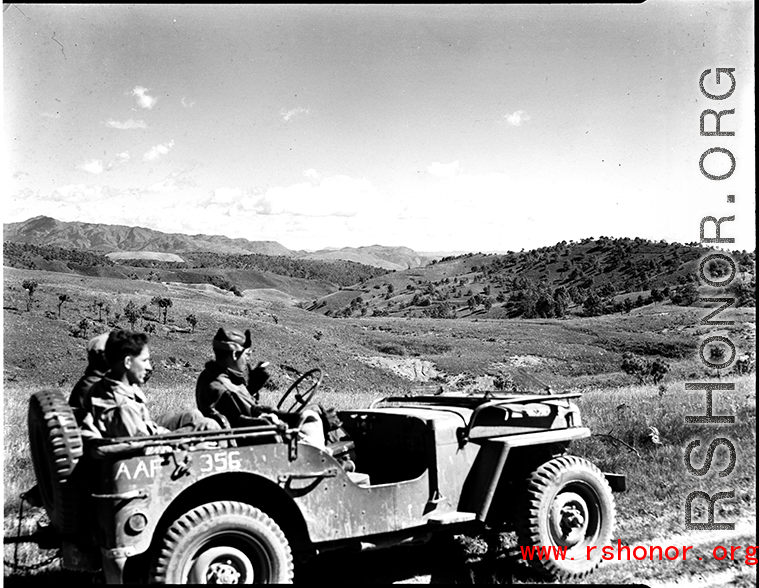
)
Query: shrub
[
  {"x": 192, "y": 320},
  {"x": 30, "y": 286},
  {"x": 644, "y": 370},
  {"x": 131, "y": 313},
  {"x": 392, "y": 349}
]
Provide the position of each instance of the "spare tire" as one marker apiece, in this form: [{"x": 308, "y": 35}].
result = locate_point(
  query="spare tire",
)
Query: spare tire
[{"x": 56, "y": 446}]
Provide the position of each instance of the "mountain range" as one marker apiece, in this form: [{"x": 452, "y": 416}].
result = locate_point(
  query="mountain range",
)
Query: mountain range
[{"x": 142, "y": 243}]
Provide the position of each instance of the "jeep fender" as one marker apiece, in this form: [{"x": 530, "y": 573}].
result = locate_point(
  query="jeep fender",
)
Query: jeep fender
[
  {"x": 249, "y": 488},
  {"x": 483, "y": 480}
]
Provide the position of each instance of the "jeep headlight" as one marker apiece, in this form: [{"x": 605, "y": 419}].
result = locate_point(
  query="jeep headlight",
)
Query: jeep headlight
[{"x": 136, "y": 523}]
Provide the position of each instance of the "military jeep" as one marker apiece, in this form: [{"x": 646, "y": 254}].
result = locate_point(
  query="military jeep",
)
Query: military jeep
[{"x": 242, "y": 505}]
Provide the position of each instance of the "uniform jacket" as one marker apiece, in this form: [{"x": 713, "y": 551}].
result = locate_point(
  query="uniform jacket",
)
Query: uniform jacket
[
  {"x": 82, "y": 387},
  {"x": 223, "y": 390},
  {"x": 119, "y": 410}
]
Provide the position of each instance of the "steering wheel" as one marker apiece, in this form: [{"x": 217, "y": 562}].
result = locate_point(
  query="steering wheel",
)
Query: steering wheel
[{"x": 300, "y": 401}]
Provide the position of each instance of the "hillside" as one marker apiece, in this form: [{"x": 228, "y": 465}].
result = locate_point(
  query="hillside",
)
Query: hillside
[
  {"x": 389, "y": 258},
  {"x": 123, "y": 242},
  {"x": 43, "y": 230},
  {"x": 302, "y": 280},
  {"x": 590, "y": 277},
  {"x": 45, "y": 344}
]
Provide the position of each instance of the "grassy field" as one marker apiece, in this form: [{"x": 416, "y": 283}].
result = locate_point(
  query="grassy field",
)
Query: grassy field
[{"x": 581, "y": 354}]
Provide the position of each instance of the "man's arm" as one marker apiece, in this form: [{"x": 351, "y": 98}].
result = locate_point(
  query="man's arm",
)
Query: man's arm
[{"x": 125, "y": 420}]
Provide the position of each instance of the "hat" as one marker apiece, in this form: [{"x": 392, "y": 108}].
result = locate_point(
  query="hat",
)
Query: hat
[
  {"x": 97, "y": 344},
  {"x": 227, "y": 339}
]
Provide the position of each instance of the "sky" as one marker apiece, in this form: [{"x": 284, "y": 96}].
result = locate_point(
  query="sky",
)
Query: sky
[{"x": 436, "y": 127}]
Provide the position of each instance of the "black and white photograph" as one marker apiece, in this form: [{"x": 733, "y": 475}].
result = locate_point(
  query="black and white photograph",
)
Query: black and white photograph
[{"x": 379, "y": 293}]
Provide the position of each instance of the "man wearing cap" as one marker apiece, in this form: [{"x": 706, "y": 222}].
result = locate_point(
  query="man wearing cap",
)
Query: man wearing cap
[
  {"x": 222, "y": 388},
  {"x": 116, "y": 406},
  {"x": 97, "y": 366}
]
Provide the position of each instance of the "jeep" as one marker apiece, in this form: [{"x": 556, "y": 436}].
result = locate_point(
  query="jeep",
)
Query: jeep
[{"x": 242, "y": 505}]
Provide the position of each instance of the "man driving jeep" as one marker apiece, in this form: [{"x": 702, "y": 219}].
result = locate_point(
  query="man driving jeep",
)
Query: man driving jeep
[{"x": 222, "y": 389}]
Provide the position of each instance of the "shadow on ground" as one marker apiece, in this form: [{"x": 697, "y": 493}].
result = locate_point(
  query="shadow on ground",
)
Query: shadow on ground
[{"x": 443, "y": 561}]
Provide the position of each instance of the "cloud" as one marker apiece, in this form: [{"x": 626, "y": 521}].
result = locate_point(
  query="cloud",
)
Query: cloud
[
  {"x": 340, "y": 196},
  {"x": 120, "y": 159},
  {"x": 288, "y": 114},
  {"x": 187, "y": 104},
  {"x": 126, "y": 125},
  {"x": 311, "y": 174},
  {"x": 517, "y": 119},
  {"x": 143, "y": 99},
  {"x": 94, "y": 167},
  {"x": 164, "y": 187},
  {"x": 444, "y": 170},
  {"x": 156, "y": 151},
  {"x": 51, "y": 114}
]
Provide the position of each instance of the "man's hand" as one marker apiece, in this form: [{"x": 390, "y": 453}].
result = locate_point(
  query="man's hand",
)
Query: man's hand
[
  {"x": 270, "y": 416},
  {"x": 257, "y": 377}
]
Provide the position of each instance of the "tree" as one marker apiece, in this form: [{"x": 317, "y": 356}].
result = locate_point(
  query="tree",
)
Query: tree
[
  {"x": 607, "y": 290},
  {"x": 644, "y": 370},
  {"x": 84, "y": 326},
  {"x": 100, "y": 303},
  {"x": 131, "y": 313},
  {"x": 686, "y": 295},
  {"x": 544, "y": 305},
  {"x": 62, "y": 299},
  {"x": 745, "y": 292},
  {"x": 592, "y": 304},
  {"x": 167, "y": 304},
  {"x": 156, "y": 301},
  {"x": 30, "y": 286},
  {"x": 560, "y": 301},
  {"x": 193, "y": 321},
  {"x": 162, "y": 303},
  {"x": 657, "y": 295}
]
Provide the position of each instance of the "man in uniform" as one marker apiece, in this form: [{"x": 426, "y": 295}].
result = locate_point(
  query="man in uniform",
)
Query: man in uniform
[
  {"x": 97, "y": 366},
  {"x": 116, "y": 403},
  {"x": 222, "y": 388}
]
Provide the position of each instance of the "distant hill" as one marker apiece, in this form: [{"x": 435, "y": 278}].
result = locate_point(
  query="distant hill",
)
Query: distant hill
[
  {"x": 43, "y": 230},
  {"x": 123, "y": 242},
  {"x": 590, "y": 277},
  {"x": 389, "y": 258}
]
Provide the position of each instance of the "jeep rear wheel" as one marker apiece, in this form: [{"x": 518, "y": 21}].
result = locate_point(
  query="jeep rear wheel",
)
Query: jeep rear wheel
[
  {"x": 568, "y": 504},
  {"x": 223, "y": 543},
  {"x": 56, "y": 446}
]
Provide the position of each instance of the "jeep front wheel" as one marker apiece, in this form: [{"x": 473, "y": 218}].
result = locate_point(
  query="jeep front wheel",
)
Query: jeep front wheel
[
  {"x": 223, "y": 543},
  {"x": 567, "y": 508}
]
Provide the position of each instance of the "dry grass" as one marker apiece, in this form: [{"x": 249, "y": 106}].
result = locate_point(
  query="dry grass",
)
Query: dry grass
[
  {"x": 658, "y": 480},
  {"x": 578, "y": 354}
]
